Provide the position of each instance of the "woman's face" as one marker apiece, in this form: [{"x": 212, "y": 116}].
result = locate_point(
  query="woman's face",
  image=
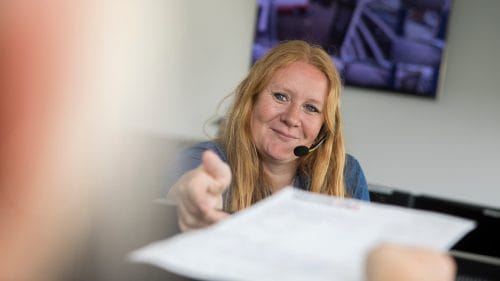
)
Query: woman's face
[{"x": 289, "y": 112}]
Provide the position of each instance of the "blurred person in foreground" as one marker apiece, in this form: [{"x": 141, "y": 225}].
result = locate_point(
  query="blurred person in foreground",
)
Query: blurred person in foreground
[{"x": 41, "y": 199}]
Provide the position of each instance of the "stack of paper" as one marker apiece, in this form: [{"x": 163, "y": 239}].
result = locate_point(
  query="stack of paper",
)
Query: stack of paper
[{"x": 298, "y": 235}]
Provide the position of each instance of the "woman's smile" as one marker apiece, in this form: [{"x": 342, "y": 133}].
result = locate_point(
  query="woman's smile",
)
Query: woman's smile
[{"x": 284, "y": 136}]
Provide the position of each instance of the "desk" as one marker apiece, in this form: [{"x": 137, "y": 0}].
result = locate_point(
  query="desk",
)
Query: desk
[{"x": 478, "y": 253}]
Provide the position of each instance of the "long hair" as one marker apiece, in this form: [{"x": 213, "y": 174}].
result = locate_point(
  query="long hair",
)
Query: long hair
[{"x": 324, "y": 167}]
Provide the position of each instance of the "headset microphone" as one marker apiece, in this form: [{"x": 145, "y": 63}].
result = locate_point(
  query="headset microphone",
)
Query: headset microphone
[{"x": 303, "y": 150}]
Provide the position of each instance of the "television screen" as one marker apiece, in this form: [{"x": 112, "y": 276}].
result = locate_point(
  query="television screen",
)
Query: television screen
[{"x": 389, "y": 45}]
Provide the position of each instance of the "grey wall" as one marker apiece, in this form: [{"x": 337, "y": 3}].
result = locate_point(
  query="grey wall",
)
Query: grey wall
[
  {"x": 201, "y": 49},
  {"x": 445, "y": 147}
]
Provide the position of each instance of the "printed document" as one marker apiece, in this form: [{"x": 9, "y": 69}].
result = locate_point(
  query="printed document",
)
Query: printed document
[{"x": 299, "y": 235}]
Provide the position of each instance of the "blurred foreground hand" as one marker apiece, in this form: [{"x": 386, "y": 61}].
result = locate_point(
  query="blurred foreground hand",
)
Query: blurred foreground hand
[{"x": 400, "y": 263}]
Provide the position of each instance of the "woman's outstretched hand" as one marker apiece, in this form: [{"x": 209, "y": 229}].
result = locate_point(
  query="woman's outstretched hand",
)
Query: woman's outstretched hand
[{"x": 198, "y": 193}]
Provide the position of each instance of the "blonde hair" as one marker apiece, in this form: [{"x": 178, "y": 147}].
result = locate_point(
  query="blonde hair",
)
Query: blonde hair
[{"x": 325, "y": 166}]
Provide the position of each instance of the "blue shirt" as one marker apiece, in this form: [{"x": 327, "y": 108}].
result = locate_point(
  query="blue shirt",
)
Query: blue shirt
[{"x": 354, "y": 178}]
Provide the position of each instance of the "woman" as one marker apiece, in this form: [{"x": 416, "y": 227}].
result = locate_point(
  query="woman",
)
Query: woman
[{"x": 290, "y": 98}]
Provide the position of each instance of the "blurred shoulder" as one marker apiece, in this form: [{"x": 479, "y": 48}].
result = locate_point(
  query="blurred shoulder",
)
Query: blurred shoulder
[
  {"x": 195, "y": 151},
  {"x": 354, "y": 178},
  {"x": 351, "y": 162}
]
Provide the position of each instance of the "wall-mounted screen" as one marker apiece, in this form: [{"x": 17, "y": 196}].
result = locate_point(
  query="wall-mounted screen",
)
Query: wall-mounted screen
[{"x": 389, "y": 45}]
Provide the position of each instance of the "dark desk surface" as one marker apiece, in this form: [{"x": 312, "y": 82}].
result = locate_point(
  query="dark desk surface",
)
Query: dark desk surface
[{"x": 478, "y": 253}]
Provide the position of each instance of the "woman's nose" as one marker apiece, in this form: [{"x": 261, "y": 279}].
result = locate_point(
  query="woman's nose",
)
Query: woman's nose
[{"x": 291, "y": 116}]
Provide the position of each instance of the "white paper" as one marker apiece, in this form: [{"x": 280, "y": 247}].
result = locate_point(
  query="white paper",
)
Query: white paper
[{"x": 298, "y": 235}]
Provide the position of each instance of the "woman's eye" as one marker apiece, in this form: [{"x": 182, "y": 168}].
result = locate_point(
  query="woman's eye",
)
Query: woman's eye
[
  {"x": 311, "y": 108},
  {"x": 280, "y": 97}
]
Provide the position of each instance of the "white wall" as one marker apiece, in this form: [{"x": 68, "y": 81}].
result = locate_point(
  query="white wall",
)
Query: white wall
[
  {"x": 201, "y": 49},
  {"x": 445, "y": 147}
]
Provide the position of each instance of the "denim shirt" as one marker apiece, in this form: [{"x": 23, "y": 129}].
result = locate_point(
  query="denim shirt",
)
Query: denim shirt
[{"x": 354, "y": 178}]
